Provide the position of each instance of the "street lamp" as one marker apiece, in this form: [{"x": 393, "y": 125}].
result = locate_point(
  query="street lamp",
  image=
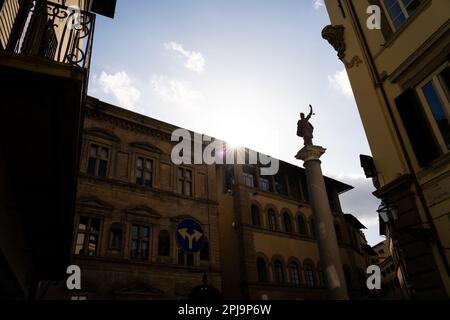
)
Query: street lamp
[{"x": 388, "y": 212}]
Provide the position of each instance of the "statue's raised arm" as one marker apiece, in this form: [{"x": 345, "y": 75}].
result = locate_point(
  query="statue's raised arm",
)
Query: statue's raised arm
[{"x": 311, "y": 113}]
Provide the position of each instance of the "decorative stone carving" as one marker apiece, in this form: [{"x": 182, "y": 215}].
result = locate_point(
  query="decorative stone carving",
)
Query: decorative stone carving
[
  {"x": 335, "y": 36},
  {"x": 356, "y": 61}
]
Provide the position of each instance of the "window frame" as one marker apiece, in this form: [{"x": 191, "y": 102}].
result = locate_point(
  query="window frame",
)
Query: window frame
[
  {"x": 98, "y": 158},
  {"x": 139, "y": 240},
  {"x": 288, "y": 227},
  {"x": 145, "y": 160},
  {"x": 254, "y": 215},
  {"x": 248, "y": 177},
  {"x": 87, "y": 233},
  {"x": 304, "y": 224},
  {"x": 310, "y": 278},
  {"x": 272, "y": 213},
  {"x": 444, "y": 97},
  {"x": 278, "y": 277},
  {"x": 185, "y": 181},
  {"x": 297, "y": 273},
  {"x": 404, "y": 11},
  {"x": 265, "y": 182}
]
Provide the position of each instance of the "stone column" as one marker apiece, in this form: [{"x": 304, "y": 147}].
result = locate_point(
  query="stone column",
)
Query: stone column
[{"x": 326, "y": 235}]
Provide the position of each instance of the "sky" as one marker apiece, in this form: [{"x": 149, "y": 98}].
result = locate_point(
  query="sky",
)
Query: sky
[{"x": 240, "y": 71}]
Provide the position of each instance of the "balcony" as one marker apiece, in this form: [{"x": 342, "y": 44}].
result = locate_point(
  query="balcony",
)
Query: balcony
[{"x": 48, "y": 30}]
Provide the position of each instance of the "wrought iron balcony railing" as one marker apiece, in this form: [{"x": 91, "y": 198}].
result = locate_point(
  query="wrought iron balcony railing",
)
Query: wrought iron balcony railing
[{"x": 47, "y": 29}]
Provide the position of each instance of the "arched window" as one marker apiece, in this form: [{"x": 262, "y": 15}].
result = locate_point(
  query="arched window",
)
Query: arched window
[
  {"x": 272, "y": 218},
  {"x": 295, "y": 273},
  {"x": 310, "y": 279},
  {"x": 164, "y": 243},
  {"x": 278, "y": 271},
  {"x": 256, "y": 218},
  {"x": 301, "y": 225},
  {"x": 313, "y": 228},
  {"x": 262, "y": 270},
  {"x": 115, "y": 238},
  {"x": 338, "y": 233},
  {"x": 204, "y": 253},
  {"x": 287, "y": 222}
]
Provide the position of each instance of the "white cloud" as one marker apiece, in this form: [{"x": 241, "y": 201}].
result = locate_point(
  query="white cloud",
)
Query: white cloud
[
  {"x": 318, "y": 4},
  {"x": 362, "y": 203},
  {"x": 194, "y": 60},
  {"x": 176, "y": 92},
  {"x": 120, "y": 86},
  {"x": 340, "y": 82}
]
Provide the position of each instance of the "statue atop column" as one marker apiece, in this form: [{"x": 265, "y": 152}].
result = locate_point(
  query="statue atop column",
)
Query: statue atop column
[{"x": 305, "y": 129}]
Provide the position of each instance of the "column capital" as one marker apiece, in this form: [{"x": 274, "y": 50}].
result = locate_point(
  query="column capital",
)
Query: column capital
[{"x": 310, "y": 153}]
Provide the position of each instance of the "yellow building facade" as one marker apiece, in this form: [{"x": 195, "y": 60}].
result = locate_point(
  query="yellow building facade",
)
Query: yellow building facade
[
  {"x": 396, "y": 54},
  {"x": 269, "y": 248}
]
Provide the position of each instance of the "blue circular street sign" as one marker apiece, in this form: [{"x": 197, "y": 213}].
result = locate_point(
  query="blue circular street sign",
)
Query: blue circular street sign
[{"x": 190, "y": 236}]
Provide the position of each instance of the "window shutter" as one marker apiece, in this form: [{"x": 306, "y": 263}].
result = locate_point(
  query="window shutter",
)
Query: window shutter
[
  {"x": 385, "y": 26},
  {"x": 416, "y": 125}
]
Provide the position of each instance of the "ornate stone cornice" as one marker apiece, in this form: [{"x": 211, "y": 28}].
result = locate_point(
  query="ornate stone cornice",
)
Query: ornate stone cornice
[
  {"x": 94, "y": 203},
  {"x": 143, "y": 210},
  {"x": 102, "y": 133},
  {"x": 146, "y": 146},
  {"x": 127, "y": 124}
]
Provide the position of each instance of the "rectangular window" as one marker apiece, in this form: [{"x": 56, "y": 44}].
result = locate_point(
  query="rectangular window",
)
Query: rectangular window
[
  {"x": 98, "y": 161},
  {"x": 86, "y": 242},
  {"x": 265, "y": 184},
  {"x": 435, "y": 96},
  {"x": 144, "y": 172},
  {"x": 436, "y": 105},
  {"x": 417, "y": 128},
  {"x": 249, "y": 174},
  {"x": 140, "y": 242},
  {"x": 248, "y": 180},
  {"x": 185, "y": 182},
  {"x": 400, "y": 10}
]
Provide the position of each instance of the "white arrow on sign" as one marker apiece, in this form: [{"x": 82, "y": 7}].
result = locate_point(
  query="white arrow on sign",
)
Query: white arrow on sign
[{"x": 195, "y": 236}]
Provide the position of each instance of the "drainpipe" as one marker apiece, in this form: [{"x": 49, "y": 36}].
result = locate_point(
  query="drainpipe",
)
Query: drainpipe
[{"x": 379, "y": 83}]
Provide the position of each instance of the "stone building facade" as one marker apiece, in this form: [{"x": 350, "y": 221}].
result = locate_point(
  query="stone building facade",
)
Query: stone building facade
[{"x": 259, "y": 229}]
